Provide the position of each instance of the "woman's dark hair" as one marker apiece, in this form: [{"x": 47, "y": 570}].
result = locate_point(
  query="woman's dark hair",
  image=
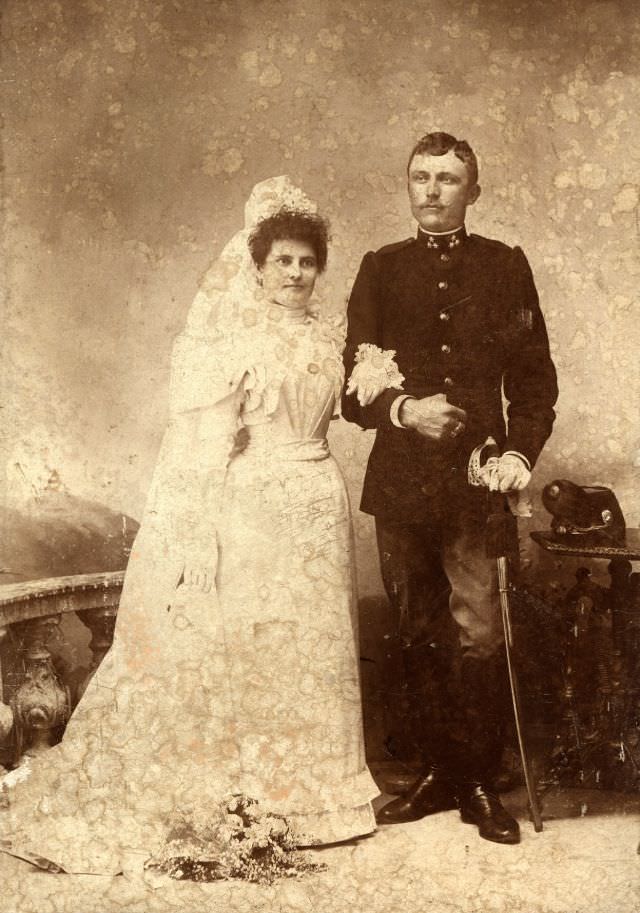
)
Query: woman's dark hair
[{"x": 290, "y": 224}]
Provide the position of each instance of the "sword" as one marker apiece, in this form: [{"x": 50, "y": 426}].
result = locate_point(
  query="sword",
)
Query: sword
[{"x": 502, "y": 539}]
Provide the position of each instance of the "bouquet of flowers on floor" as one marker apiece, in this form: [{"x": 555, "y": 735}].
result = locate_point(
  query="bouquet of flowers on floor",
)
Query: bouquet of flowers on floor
[{"x": 232, "y": 840}]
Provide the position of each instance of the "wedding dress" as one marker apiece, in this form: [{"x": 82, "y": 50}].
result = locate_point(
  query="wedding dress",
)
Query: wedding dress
[{"x": 251, "y": 687}]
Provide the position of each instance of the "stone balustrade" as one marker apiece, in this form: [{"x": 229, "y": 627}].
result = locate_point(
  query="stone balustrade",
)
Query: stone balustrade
[
  {"x": 35, "y": 699},
  {"x": 580, "y": 663}
]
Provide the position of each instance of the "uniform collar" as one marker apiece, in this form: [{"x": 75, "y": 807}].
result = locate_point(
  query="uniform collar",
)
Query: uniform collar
[{"x": 443, "y": 242}]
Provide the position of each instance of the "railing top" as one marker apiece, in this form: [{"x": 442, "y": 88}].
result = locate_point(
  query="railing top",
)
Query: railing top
[{"x": 11, "y": 593}]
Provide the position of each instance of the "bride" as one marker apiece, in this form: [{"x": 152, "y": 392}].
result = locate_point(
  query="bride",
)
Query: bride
[{"x": 234, "y": 666}]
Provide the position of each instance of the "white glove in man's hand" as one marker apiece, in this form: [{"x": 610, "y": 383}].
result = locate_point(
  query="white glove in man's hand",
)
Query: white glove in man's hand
[{"x": 505, "y": 473}]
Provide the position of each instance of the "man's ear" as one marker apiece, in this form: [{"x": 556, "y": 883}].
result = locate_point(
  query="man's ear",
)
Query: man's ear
[{"x": 474, "y": 193}]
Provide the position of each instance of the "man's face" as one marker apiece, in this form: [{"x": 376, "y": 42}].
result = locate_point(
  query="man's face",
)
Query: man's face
[{"x": 440, "y": 191}]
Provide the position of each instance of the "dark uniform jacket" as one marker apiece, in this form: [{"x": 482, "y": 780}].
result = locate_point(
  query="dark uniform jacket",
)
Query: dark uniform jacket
[{"x": 462, "y": 314}]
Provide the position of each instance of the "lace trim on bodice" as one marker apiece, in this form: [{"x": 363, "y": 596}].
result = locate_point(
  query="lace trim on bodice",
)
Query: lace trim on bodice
[{"x": 294, "y": 352}]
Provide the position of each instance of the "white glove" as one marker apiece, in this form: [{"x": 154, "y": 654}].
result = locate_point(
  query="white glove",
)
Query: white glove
[{"x": 505, "y": 473}]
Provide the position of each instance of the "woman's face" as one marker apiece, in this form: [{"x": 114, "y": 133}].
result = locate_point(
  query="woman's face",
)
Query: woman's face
[{"x": 289, "y": 273}]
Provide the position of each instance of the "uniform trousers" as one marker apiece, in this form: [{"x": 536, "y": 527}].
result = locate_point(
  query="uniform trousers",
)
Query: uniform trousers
[{"x": 444, "y": 598}]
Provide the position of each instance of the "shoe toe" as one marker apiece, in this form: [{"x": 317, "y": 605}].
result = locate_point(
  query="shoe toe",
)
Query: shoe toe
[
  {"x": 493, "y": 821},
  {"x": 507, "y": 836},
  {"x": 395, "y": 812}
]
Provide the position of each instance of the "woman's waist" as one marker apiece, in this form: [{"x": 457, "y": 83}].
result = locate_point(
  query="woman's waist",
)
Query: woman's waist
[{"x": 265, "y": 441}]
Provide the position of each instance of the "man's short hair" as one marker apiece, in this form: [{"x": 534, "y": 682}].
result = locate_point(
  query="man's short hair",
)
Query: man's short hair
[{"x": 440, "y": 144}]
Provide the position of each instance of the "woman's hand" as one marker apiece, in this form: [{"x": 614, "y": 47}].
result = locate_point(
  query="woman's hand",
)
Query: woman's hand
[
  {"x": 374, "y": 371},
  {"x": 199, "y": 577},
  {"x": 367, "y": 391},
  {"x": 200, "y": 566}
]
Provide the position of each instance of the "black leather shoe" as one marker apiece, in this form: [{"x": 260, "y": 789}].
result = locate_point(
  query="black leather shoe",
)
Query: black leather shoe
[
  {"x": 483, "y": 808},
  {"x": 432, "y": 792},
  {"x": 399, "y": 781}
]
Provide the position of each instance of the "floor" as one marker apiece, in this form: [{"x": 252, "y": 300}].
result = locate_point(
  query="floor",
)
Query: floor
[{"x": 584, "y": 861}]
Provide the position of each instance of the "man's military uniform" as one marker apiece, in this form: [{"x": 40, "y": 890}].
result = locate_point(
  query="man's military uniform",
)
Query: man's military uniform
[{"x": 462, "y": 314}]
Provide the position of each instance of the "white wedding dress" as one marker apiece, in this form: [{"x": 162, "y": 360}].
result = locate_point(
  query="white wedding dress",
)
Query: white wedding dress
[{"x": 252, "y": 687}]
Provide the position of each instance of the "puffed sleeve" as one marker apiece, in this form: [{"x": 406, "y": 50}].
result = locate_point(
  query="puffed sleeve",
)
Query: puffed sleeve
[{"x": 530, "y": 382}]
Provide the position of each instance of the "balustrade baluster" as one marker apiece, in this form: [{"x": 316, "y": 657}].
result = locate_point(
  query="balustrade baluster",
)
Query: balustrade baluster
[
  {"x": 35, "y": 704},
  {"x": 6, "y": 712},
  {"x": 41, "y": 704},
  {"x": 101, "y": 622}
]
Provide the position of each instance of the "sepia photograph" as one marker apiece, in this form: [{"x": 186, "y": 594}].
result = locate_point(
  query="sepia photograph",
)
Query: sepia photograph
[{"x": 320, "y": 541}]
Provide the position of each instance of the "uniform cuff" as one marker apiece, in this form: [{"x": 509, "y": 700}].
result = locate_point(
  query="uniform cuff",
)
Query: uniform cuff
[
  {"x": 516, "y": 453},
  {"x": 394, "y": 411}
]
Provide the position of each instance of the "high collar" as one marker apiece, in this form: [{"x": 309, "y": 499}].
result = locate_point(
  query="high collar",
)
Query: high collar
[
  {"x": 443, "y": 242},
  {"x": 286, "y": 316}
]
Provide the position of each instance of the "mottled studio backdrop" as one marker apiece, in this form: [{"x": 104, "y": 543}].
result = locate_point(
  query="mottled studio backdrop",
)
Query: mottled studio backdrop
[{"x": 135, "y": 129}]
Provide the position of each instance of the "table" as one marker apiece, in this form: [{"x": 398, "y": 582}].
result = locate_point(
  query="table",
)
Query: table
[{"x": 598, "y": 743}]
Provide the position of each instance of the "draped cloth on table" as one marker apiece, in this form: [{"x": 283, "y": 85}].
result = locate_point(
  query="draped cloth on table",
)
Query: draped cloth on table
[{"x": 253, "y": 686}]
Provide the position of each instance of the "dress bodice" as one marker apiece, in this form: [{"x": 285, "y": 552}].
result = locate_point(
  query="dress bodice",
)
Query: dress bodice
[{"x": 291, "y": 391}]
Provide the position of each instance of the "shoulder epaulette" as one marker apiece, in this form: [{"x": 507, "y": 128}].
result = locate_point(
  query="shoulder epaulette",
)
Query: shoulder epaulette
[
  {"x": 490, "y": 242},
  {"x": 399, "y": 245}
]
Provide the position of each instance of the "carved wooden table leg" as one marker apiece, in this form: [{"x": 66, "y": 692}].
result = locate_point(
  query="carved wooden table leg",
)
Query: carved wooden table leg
[
  {"x": 620, "y": 574},
  {"x": 101, "y": 622},
  {"x": 40, "y": 704}
]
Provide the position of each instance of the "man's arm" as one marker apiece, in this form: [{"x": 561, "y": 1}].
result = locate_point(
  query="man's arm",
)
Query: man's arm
[
  {"x": 530, "y": 382},
  {"x": 364, "y": 325}
]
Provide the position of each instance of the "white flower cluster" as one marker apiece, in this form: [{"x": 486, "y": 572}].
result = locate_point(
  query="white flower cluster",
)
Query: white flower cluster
[
  {"x": 270, "y": 196},
  {"x": 234, "y": 840},
  {"x": 375, "y": 365}
]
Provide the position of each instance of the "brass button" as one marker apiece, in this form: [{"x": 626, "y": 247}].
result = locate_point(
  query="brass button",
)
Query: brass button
[
  {"x": 448, "y": 382},
  {"x": 445, "y": 258},
  {"x": 444, "y": 315},
  {"x": 443, "y": 284},
  {"x": 445, "y": 348}
]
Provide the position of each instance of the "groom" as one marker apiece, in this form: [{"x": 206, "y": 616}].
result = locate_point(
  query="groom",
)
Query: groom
[{"x": 461, "y": 313}]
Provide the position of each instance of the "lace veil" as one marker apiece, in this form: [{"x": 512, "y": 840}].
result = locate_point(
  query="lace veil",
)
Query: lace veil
[
  {"x": 227, "y": 328},
  {"x": 228, "y": 313}
]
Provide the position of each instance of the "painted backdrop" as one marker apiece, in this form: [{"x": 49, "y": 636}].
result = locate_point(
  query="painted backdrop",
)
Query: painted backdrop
[{"x": 135, "y": 129}]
